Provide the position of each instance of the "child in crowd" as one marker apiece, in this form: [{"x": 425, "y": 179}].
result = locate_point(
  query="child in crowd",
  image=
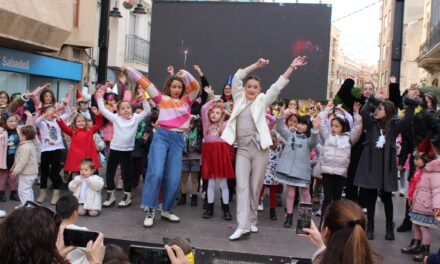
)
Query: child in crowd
[
  {"x": 82, "y": 143},
  {"x": 166, "y": 150},
  {"x": 335, "y": 153},
  {"x": 217, "y": 156},
  {"x": 51, "y": 150},
  {"x": 125, "y": 125},
  {"x": 26, "y": 165},
  {"x": 294, "y": 168},
  {"x": 191, "y": 160},
  {"x": 10, "y": 139},
  {"x": 274, "y": 156},
  {"x": 87, "y": 188}
]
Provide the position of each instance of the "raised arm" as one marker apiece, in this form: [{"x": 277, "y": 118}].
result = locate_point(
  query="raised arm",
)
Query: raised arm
[
  {"x": 237, "y": 80},
  {"x": 366, "y": 111},
  {"x": 204, "y": 114},
  {"x": 105, "y": 112},
  {"x": 356, "y": 131},
  {"x": 324, "y": 130},
  {"x": 407, "y": 119},
  {"x": 314, "y": 133},
  {"x": 345, "y": 94},
  {"x": 394, "y": 92},
  {"x": 275, "y": 89},
  {"x": 146, "y": 110},
  {"x": 34, "y": 94},
  {"x": 192, "y": 85},
  {"x": 281, "y": 128},
  {"x": 64, "y": 127},
  {"x": 98, "y": 124},
  {"x": 143, "y": 81}
]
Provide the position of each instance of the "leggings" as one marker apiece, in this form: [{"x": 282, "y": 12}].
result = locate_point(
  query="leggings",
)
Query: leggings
[
  {"x": 272, "y": 195},
  {"x": 223, "y": 186},
  {"x": 422, "y": 233},
  {"x": 116, "y": 158},
  {"x": 291, "y": 197},
  {"x": 333, "y": 186},
  {"x": 4, "y": 175},
  {"x": 370, "y": 203},
  {"x": 51, "y": 167}
]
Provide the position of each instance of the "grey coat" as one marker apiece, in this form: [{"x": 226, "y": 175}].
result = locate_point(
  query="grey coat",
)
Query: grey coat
[
  {"x": 296, "y": 162},
  {"x": 377, "y": 168}
]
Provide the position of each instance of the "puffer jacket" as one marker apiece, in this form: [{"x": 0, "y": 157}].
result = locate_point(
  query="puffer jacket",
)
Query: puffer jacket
[
  {"x": 335, "y": 153},
  {"x": 427, "y": 194}
]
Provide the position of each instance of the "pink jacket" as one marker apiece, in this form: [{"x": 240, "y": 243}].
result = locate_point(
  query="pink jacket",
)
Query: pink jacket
[
  {"x": 3, "y": 148},
  {"x": 427, "y": 194}
]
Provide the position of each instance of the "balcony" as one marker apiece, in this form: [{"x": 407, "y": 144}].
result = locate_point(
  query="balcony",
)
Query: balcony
[
  {"x": 137, "y": 49},
  {"x": 429, "y": 54}
]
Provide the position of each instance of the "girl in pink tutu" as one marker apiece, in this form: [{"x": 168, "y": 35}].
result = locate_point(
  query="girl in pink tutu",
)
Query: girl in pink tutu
[{"x": 217, "y": 156}]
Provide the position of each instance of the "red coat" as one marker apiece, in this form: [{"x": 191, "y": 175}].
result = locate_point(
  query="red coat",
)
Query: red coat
[{"x": 82, "y": 144}]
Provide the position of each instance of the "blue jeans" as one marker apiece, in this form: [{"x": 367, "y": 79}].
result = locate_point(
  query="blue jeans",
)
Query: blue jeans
[{"x": 164, "y": 169}]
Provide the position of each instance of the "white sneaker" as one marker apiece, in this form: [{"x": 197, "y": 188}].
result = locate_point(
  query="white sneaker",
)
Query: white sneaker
[
  {"x": 149, "y": 220},
  {"x": 110, "y": 200},
  {"x": 260, "y": 207},
  {"x": 170, "y": 217},
  {"x": 239, "y": 234},
  {"x": 126, "y": 200},
  {"x": 254, "y": 229},
  {"x": 2, "y": 213}
]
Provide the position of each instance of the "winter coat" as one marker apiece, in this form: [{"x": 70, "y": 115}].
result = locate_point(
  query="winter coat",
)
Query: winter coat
[
  {"x": 377, "y": 167},
  {"x": 258, "y": 109},
  {"x": 295, "y": 162},
  {"x": 82, "y": 144},
  {"x": 95, "y": 185},
  {"x": 26, "y": 162},
  {"x": 427, "y": 193},
  {"x": 334, "y": 155}
]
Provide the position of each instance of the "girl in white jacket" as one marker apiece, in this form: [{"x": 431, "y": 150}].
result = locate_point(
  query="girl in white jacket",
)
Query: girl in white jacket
[
  {"x": 87, "y": 188},
  {"x": 334, "y": 156}
]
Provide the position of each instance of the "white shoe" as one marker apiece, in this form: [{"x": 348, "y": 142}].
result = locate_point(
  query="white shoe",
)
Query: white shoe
[
  {"x": 2, "y": 213},
  {"x": 239, "y": 234},
  {"x": 126, "y": 200},
  {"x": 254, "y": 229},
  {"x": 149, "y": 220},
  {"x": 170, "y": 217},
  {"x": 110, "y": 200},
  {"x": 260, "y": 207}
]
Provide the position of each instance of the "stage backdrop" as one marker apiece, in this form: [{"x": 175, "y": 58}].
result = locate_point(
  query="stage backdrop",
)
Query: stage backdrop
[{"x": 224, "y": 36}]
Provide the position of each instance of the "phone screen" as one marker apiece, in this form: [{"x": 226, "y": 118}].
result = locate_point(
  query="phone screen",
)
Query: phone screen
[
  {"x": 79, "y": 238},
  {"x": 148, "y": 255},
  {"x": 304, "y": 217}
]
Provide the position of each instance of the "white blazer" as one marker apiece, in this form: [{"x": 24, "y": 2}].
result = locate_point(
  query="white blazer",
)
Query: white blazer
[
  {"x": 258, "y": 108},
  {"x": 95, "y": 185}
]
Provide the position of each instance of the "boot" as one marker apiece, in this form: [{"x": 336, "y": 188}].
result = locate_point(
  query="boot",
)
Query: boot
[
  {"x": 209, "y": 211},
  {"x": 389, "y": 235},
  {"x": 2, "y": 197},
  {"x": 226, "y": 213},
  {"x": 370, "y": 231},
  {"x": 182, "y": 199},
  {"x": 42, "y": 196},
  {"x": 194, "y": 200},
  {"x": 55, "y": 197},
  {"x": 126, "y": 200},
  {"x": 110, "y": 200},
  {"x": 14, "y": 196},
  {"x": 273, "y": 214},
  {"x": 424, "y": 251},
  {"x": 405, "y": 226},
  {"x": 413, "y": 248},
  {"x": 288, "y": 222}
]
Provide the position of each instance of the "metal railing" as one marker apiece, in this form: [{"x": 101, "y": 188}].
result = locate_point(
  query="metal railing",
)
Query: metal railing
[
  {"x": 432, "y": 41},
  {"x": 137, "y": 49}
]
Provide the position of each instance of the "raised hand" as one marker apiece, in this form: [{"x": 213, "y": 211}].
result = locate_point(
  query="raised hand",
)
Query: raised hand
[
  {"x": 356, "y": 107},
  {"x": 329, "y": 106},
  {"x": 122, "y": 78},
  {"x": 180, "y": 73},
  {"x": 123, "y": 68},
  {"x": 262, "y": 63},
  {"x": 207, "y": 89},
  {"x": 393, "y": 79},
  {"x": 99, "y": 94},
  {"x": 299, "y": 61},
  {"x": 170, "y": 70},
  {"x": 95, "y": 110},
  {"x": 198, "y": 70},
  {"x": 316, "y": 122}
]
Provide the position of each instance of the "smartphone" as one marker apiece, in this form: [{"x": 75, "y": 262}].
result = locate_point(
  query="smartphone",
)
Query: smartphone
[
  {"x": 148, "y": 255},
  {"x": 304, "y": 217},
  {"x": 79, "y": 238}
]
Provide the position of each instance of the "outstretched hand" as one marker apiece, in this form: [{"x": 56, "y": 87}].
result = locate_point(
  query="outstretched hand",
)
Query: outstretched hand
[
  {"x": 198, "y": 70},
  {"x": 262, "y": 63},
  {"x": 99, "y": 94},
  {"x": 299, "y": 61},
  {"x": 170, "y": 70}
]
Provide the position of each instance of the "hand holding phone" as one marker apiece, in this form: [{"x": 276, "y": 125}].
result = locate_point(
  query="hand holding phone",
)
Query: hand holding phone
[{"x": 79, "y": 238}]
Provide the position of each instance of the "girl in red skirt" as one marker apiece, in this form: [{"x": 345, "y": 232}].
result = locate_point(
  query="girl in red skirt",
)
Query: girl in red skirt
[{"x": 217, "y": 156}]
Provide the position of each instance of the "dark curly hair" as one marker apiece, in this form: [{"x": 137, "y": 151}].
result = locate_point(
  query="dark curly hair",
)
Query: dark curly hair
[
  {"x": 43, "y": 93},
  {"x": 167, "y": 91},
  {"x": 29, "y": 235}
]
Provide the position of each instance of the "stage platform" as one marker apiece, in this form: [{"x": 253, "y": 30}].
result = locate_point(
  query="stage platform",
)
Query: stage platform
[{"x": 272, "y": 238}]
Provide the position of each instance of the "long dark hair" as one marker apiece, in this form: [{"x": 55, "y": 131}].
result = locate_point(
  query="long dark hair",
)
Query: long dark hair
[
  {"x": 167, "y": 91},
  {"x": 8, "y": 99},
  {"x": 390, "y": 111},
  {"x": 29, "y": 235},
  {"x": 347, "y": 242},
  {"x": 433, "y": 99},
  {"x": 44, "y": 92},
  {"x": 223, "y": 97}
]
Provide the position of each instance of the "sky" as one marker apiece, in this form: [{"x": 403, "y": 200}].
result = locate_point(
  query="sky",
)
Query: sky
[{"x": 359, "y": 32}]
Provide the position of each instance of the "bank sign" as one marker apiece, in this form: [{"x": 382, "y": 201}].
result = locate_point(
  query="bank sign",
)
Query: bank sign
[{"x": 18, "y": 61}]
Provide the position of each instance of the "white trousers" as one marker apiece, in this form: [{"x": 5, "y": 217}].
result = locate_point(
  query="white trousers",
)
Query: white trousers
[{"x": 25, "y": 183}]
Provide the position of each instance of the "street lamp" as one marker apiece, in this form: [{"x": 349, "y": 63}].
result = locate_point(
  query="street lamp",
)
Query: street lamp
[
  {"x": 139, "y": 9},
  {"x": 115, "y": 12}
]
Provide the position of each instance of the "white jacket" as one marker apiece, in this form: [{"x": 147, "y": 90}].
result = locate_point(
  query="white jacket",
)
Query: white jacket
[
  {"x": 258, "y": 109},
  {"x": 95, "y": 185}
]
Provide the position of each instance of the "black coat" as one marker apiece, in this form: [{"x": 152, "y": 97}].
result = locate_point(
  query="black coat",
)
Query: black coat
[{"x": 377, "y": 168}]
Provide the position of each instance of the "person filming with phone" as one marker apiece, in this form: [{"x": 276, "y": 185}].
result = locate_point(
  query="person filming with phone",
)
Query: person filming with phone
[{"x": 342, "y": 238}]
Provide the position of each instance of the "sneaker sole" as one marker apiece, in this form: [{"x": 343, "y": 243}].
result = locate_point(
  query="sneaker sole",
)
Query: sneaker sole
[
  {"x": 124, "y": 206},
  {"x": 169, "y": 220},
  {"x": 242, "y": 237},
  {"x": 110, "y": 205}
]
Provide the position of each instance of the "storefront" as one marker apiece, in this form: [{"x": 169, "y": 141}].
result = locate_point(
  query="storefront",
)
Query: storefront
[{"x": 22, "y": 72}]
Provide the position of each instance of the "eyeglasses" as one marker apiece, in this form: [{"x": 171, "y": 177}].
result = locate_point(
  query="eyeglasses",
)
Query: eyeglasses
[{"x": 54, "y": 215}]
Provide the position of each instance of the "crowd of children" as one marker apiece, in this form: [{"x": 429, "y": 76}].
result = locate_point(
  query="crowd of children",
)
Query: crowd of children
[{"x": 186, "y": 132}]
